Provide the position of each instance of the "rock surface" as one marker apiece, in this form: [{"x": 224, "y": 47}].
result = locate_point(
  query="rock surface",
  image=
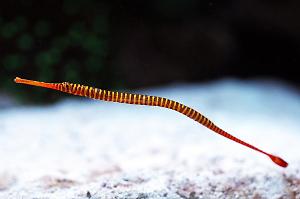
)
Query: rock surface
[{"x": 89, "y": 149}]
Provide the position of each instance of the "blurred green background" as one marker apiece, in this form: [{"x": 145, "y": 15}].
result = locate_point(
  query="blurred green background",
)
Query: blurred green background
[{"x": 59, "y": 41}]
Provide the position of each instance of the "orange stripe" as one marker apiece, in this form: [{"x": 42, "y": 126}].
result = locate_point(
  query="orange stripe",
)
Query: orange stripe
[
  {"x": 144, "y": 99},
  {"x": 184, "y": 110},
  {"x": 121, "y": 98},
  {"x": 194, "y": 115},
  {"x": 117, "y": 96}
]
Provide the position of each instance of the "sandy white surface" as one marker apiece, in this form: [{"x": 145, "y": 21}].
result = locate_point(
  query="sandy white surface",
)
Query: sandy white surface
[{"x": 80, "y": 148}]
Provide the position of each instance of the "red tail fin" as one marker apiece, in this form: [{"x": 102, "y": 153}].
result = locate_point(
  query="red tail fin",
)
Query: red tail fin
[{"x": 279, "y": 161}]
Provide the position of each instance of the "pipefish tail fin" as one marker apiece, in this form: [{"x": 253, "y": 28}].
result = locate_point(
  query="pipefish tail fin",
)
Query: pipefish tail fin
[
  {"x": 279, "y": 161},
  {"x": 137, "y": 99}
]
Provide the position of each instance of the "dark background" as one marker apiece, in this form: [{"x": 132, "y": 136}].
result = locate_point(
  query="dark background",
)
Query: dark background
[{"x": 133, "y": 44}]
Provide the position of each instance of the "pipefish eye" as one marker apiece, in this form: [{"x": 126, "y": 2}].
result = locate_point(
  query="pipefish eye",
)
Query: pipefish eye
[{"x": 66, "y": 86}]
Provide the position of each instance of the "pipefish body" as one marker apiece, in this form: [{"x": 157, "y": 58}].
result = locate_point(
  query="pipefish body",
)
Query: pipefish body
[{"x": 137, "y": 99}]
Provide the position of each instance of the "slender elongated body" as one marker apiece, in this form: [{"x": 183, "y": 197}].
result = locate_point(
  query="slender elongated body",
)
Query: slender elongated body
[{"x": 128, "y": 98}]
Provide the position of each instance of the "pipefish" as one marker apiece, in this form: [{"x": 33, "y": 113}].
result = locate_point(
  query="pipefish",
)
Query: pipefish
[{"x": 137, "y": 99}]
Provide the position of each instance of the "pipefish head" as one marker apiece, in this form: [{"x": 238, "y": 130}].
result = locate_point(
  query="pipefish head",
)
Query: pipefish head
[{"x": 66, "y": 87}]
